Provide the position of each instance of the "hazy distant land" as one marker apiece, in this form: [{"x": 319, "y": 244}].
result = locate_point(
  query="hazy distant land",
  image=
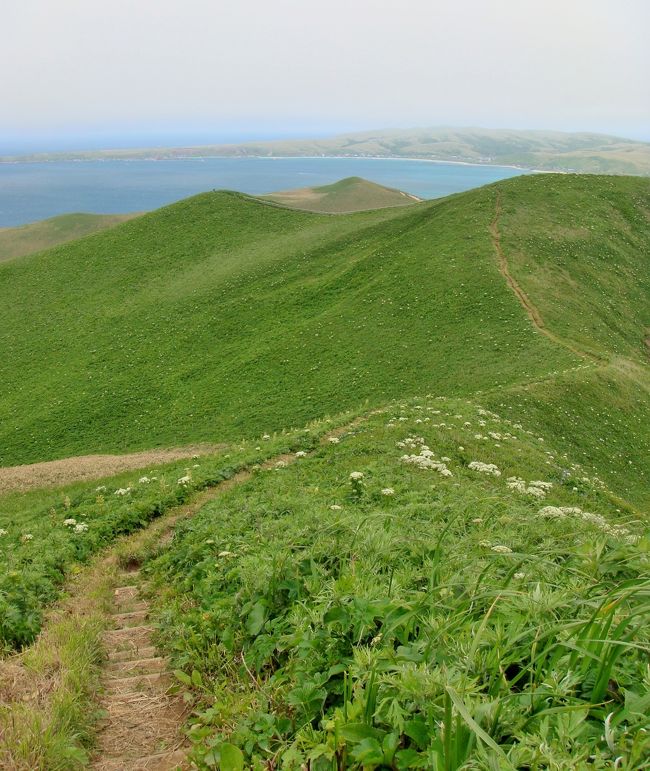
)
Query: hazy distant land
[{"x": 544, "y": 150}]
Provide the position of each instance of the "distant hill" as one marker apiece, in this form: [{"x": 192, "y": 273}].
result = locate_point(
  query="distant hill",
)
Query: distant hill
[
  {"x": 16, "y": 242},
  {"x": 222, "y": 316},
  {"x": 347, "y": 195},
  {"x": 545, "y": 150}
]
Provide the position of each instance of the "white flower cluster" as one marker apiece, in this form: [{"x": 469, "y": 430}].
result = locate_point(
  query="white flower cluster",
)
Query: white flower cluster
[
  {"x": 301, "y": 454},
  {"x": 82, "y": 527},
  {"x": 184, "y": 480},
  {"x": 100, "y": 489},
  {"x": 388, "y": 491},
  {"x": 123, "y": 491},
  {"x": 500, "y": 549},
  {"x": 425, "y": 461},
  {"x": 485, "y": 468},
  {"x": 69, "y": 522},
  {"x": 535, "y": 488},
  {"x": 411, "y": 443},
  {"x": 26, "y": 537},
  {"x": 333, "y": 440},
  {"x": 147, "y": 480},
  {"x": 356, "y": 476},
  {"x": 3, "y": 532},
  {"x": 562, "y": 512}
]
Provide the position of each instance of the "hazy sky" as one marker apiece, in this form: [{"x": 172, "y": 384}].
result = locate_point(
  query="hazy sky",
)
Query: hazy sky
[{"x": 107, "y": 72}]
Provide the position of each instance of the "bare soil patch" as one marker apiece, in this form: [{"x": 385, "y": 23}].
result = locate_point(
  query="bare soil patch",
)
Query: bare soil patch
[{"x": 55, "y": 473}]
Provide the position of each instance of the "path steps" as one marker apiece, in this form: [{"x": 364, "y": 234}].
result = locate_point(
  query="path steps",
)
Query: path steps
[{"x": 140, "y": 731}]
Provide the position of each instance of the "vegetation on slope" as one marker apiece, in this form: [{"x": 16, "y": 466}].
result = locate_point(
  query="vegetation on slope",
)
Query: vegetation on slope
[
  {"x": 27, "y": 239},
  {"x": 439, "y": 589},
  {"x": 548, "y": 150},
  {"x": 46, "y": 534},
  {"x": 223, "y": 316},
  {"x": 346, "y": 195}
]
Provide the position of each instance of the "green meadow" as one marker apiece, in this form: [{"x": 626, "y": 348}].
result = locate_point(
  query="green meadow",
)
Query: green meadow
[{"x": 460, "y": 579}]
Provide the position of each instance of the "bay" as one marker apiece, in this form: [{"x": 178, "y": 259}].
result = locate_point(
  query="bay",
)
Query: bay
[{"x": 35, "y": 191}]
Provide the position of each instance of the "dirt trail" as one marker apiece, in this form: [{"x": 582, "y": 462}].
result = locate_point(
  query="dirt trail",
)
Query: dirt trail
[
  {"x": 55, "y": 473},
  {"x": 526, "y": 303},
  {"x": 142, "y": 725}
]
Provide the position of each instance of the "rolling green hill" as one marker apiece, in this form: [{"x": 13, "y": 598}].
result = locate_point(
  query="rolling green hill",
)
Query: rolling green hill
[
  {"x": 347, "y": 195},
  {"x": 582, "y": 152},
  {"x": 223, "y": 316},
  {"x": 16, "y": 242}
]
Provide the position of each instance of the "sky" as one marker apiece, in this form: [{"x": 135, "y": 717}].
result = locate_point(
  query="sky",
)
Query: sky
[{"x": 79, "y": 74}]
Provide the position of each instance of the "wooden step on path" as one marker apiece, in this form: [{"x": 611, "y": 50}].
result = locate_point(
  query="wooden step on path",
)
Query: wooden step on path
[{"x": 140, "y": 731}]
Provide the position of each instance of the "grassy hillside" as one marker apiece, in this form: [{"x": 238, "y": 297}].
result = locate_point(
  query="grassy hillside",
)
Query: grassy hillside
[
  {"x": 223, "y": 316},
  {"x": 347, "y": 195},
  {"x": 16, "y": 242},
  {"x": 548, "y": 150},
  {"x": 361, "y": 609}
]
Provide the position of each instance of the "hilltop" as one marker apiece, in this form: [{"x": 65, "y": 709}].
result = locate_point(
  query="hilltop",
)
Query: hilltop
[
  {"x": 222, "y": 316},
  {"x": 546, "y": 150},
  {"x": 37, "y": 236},
  {"x": 347, "y": 195}
]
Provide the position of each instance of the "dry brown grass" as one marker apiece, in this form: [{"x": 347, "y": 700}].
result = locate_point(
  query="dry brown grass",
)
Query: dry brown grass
[{"x": 56, "y": 473}]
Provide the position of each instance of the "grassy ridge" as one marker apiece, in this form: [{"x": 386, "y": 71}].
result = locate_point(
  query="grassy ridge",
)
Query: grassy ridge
[
  {"x": 357, "y": 611},
  {"x": 346, "y": 195},
  {"x": 222, "y": 316},
  {"x": 16, "y": 242}
]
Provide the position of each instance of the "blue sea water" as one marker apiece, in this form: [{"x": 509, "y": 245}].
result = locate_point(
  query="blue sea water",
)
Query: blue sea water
[{"x": 35, "y": 191}]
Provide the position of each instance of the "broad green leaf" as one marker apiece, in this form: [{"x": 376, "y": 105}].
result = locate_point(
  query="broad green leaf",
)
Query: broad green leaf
[{"x": 232, "y": 758}]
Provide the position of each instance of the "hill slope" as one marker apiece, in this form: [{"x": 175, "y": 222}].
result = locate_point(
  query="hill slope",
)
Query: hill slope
[
  {"x": 16, "y": 242},
  {"x": 222, "y": 316},
  {"x": 547, "y": 150},
  {"x": 347, "y": 195}
]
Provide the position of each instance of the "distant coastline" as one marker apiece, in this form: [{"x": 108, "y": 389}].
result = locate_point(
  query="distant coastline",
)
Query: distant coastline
[{"x": 152, "y": 159}]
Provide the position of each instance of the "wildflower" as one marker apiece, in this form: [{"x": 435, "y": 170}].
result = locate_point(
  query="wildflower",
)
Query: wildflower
[
  {"x": 82, "y": 527},
  {"x": 3, "y": 532},
  {"x": 356, "y": 476},
  {"x": 281, "y": 464},
  {"x": 184, "y": 480},
  {"x": 69, "y": 522},
  {"x": 144, "y": 480},
  {"x": 537, "y": 489},
  {"x": 266, "y": 437},
  {"x": 500, "y": 549},
  {"x": 519, "y": 576},
  {"x": 26, "y": 537},
  {"x": 444, "y": 459},
  {"x": 388, "y": 491},
  {"x": 100, "y": 489},
  {"x": 485, "y": 468},
  {"x": 301, "y": 454},
  {"x": 336, "y": 507},
  {"x": 226, "y": 554},
  {"x": 461, "y": 449},
  {"x": 333, "y": 440},
  {"x": 123, "y": 491}
]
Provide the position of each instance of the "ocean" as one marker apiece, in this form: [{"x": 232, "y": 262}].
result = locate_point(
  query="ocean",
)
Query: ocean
[{"x": 35, "y": 191}]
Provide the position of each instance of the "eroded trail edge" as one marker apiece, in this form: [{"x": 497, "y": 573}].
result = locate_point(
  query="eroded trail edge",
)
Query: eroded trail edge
[{"x": 526, "y": 303}]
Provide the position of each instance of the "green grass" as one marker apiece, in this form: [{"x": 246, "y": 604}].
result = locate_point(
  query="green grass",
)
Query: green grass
[
  {"x": 37, "y": 236},
  {"x": 315, "y": 619},
  {"x": 46, "y": 535},
  {"x": 221, "y": 316}
]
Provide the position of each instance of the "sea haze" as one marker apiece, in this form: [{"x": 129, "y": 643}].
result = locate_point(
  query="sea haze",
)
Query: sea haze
[{"x": 35, "y": 191}]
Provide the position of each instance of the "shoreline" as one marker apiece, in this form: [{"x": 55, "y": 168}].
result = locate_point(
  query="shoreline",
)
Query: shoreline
[{"x": 149, "y": 159}]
